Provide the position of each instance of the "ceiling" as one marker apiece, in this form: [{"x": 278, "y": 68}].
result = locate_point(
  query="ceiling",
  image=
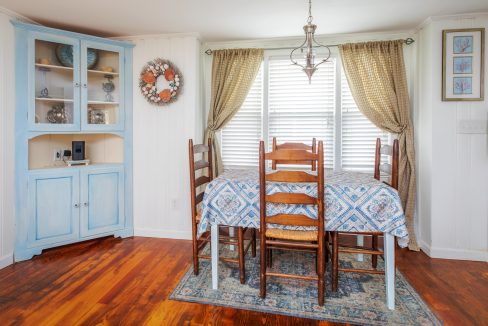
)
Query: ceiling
[{"x": 218, "y": 20}]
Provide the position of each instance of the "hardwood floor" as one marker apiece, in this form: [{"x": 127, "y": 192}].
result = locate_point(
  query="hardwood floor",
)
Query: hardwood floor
[{"x": 127, "y": 281}]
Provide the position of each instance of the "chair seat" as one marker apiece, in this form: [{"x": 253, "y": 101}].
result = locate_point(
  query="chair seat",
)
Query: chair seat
[{"x": 292, "y": 234}]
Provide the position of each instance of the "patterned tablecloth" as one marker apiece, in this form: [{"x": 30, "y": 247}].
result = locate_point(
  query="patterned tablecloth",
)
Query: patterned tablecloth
[{"x": 354, "y": 202}]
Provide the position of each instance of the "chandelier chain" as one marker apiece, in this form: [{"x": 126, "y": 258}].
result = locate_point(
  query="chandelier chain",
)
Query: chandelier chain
[{"x": 310, "y": 17}]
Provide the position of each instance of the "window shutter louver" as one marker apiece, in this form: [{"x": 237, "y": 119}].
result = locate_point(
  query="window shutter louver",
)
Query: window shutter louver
[
  {"x": 299, "y": 111},
  {"x": 240, "y": 137},
  {"x": 358, "y": 134}
]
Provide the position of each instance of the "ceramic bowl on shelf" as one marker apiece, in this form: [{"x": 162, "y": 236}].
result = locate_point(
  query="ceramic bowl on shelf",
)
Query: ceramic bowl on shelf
[{"x": 64, "y": 53}]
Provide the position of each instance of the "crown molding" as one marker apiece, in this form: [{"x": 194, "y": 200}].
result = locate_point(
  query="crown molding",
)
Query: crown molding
[
  {"x": 17, "y": 16},
  {"x": 467, "y": 16},
  {"x": 157, "y": 36}
]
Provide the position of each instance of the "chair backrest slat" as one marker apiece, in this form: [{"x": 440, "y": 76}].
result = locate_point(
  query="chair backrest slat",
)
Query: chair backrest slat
[
  {"x": 291, "y": 198},
  {"x": 201, "y": 164},
  {"x": 292, "y": 220},
  {"x": 387, "y": 168},
  {"x": 291, "y": 176},
  {"x": 201, "y": 180},
  {"x": 291, "y": 155},
  {"x": 294, "y": 146},
  {"x": 200, "y": 148},
  {"x": 199, "y": 198}
]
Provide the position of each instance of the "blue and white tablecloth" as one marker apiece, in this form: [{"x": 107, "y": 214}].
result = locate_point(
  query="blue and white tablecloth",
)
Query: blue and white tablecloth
[{"x": 354, "y": 202}]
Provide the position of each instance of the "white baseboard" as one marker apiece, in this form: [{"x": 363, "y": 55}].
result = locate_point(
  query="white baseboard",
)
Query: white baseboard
[
  {"x": 452, "y": 253},
  {"x": 6, "y": 260},
  {"x": 163, "y": 233}
]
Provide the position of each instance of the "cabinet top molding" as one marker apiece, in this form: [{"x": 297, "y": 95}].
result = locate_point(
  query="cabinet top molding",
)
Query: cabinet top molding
[{"x": 39, "y": 28}]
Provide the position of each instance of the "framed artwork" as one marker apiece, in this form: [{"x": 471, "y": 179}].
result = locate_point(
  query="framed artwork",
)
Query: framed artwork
[{"x": 463, "y": 52}]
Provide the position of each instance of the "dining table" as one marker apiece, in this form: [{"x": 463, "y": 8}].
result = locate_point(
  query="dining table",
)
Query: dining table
[{"x": 354, "y": 202}]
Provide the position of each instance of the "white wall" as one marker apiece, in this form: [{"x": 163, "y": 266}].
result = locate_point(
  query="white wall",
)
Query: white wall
[
  {"x": 453, "y": 167},
  {"x": 7, "y": 122},
  {"x": 161, "y": 133}
]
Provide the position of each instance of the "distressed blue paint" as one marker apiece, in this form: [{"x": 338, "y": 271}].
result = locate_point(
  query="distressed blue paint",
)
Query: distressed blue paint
[
  {"x": 102, "y": 200},
  {"x": 41, "y": 221},
  {"x": 53, "y": 216}
]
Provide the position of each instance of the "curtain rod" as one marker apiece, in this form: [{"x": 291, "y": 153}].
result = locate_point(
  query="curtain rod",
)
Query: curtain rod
[{"x": 407, "y": 41}]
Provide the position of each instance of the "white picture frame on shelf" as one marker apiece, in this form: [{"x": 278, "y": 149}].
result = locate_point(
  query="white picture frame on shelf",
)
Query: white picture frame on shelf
[{"x": 463, "y": 64}]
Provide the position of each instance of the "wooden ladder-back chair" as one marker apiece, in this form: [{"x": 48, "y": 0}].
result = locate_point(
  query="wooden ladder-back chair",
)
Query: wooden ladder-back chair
[
  {"x": 390, "y": 169},
  {"x": 295, "y": 146},
  {"x": 276, "y": 238},
  {"x": 197, "y": 182}
]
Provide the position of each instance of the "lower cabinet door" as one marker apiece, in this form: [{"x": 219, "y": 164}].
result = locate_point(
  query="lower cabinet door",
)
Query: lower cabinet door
[
  {"x": 102, "y": 200},
  {"x": 53, "y": 207}
]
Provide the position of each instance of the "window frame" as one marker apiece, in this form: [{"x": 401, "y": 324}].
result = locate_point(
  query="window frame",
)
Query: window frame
[{"x": 337, "y": 129}]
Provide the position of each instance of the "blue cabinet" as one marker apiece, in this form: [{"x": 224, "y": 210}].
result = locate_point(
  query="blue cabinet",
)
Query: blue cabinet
[
  {"x": 102, "y": 203},
  {"x": 71, "y": 86}
]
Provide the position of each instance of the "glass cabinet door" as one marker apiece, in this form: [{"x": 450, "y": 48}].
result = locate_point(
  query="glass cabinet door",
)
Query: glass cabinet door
[
  {"x": 54, "y": 75},
  {"x": 102, "y": 86}
]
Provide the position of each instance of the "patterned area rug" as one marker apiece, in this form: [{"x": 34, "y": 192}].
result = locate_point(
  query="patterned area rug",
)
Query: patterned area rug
[{"x": 359, "y": 300}]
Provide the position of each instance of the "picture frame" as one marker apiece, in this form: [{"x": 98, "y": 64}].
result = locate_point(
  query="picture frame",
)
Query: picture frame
[{"x": 463, "y": 54}]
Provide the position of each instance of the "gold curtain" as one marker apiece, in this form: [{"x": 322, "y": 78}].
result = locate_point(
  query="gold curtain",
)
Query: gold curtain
[
  {"x": 376, "y": 75},
  {"x": 233, "y": 73}
]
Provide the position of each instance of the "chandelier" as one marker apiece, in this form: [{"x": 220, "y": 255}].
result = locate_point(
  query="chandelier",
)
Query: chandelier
[{"x": 308, "y": 47}]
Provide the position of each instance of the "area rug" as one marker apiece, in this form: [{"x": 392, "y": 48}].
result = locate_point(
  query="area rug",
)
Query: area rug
[{"x": 360, "y": 298}]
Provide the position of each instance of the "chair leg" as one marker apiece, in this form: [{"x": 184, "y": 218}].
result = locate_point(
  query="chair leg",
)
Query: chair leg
[
  {"x": 269, "y": 258},
  {"x": 321, "y": 272},
  {"x": 195, "y": 253},
  {"x": 262, "y": 266},
  {"x": 253, "y": 243},
  {"x": 326, "y": 252},
  {"x": 335, "y": 261},
  {"x": 242, "y": 262},
  {"x": 374, "y": 258}
]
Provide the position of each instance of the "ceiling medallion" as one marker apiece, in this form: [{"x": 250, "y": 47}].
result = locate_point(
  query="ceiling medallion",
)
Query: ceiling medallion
[{"x": 308, "y": 47}]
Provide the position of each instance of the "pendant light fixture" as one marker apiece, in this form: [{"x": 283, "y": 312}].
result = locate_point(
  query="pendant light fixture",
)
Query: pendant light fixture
[{"x": 308, "y": 48}]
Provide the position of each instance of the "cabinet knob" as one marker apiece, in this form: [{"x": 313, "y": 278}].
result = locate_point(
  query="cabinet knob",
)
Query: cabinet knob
[
  {"x": 84, "y": 85},
  {"x": 77, "y": 84},
  {"x": 77, "y": 205},
  {"x": 85, "y": 204}
]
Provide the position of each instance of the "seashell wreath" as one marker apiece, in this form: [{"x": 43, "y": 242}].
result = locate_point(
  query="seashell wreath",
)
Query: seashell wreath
[{"x": 149, "y": 78}]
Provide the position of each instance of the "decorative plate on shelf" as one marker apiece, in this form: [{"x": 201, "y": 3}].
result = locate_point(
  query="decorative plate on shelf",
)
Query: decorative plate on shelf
[
  {"x": 64, "y": 53},
  {"x": 160, "y": 82}
]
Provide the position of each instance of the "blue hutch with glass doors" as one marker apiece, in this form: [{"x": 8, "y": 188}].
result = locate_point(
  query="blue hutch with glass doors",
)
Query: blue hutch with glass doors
[{"x": 71, "y": 87}]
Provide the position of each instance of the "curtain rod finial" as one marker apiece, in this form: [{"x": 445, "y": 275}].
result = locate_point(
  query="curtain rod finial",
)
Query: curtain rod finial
[
  {"x": 208, "y": 51},
  {"x": 409, "y": 41}
]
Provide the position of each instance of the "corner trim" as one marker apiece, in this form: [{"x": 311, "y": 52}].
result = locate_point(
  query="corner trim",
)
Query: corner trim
[
  {"x": 163, "y": 233},
  {"x": 6, "y": 260}
]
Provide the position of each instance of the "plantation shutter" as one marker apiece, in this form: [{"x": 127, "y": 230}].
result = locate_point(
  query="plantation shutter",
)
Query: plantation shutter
[
  {"x": 299, "y": 111},
  {"x": 240, "y": 137},
  {"x": 358, "y": 134}
]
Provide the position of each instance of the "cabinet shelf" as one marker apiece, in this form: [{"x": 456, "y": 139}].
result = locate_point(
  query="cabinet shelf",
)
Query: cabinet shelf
[
  {"x": 103, "y": 103},
  {"x": 55, "y": 67},
  {"x": 100, "y": 72},
  {"x": 63, "y": 68},
  {"x": 53, "y": 99}
]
